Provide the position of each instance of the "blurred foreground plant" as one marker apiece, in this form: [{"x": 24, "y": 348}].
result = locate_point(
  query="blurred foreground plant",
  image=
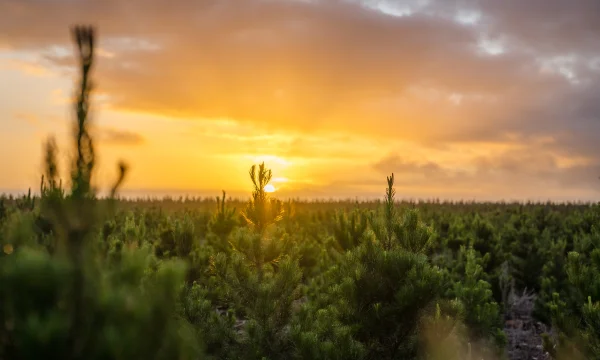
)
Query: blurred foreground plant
[{"x": 75, "y": 303}]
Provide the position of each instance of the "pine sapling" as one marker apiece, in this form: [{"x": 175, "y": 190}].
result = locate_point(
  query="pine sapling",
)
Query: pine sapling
[
  {"x": 390, "y": 212},
  {"x": 260, "y": 214},
  {"x": 261, "y": 211},
  {"x": 223, "y": 220},
  {"x": 483, "y": 316},
  {"x": 26, "y": 202},
  {"x": 350, "y": 229},
  {"x": 3, "y": 208}
]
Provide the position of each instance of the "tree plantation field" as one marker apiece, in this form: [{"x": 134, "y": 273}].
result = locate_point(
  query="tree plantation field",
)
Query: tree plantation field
[
  {"x": 83, "y": 277},
  {"x": 337, "y": 280}
]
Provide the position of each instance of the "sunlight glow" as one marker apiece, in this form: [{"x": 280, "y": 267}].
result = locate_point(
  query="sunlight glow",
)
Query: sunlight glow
[
  {"x": 269, "y": 188},
  {"x": 271, "y": 160}
]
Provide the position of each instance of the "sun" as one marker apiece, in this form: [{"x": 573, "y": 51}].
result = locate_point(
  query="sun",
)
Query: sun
[{"x": 269, "y": 188}]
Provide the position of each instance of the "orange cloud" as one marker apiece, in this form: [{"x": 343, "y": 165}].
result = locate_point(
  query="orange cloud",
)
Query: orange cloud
[
  {"x": 30, "y": 68},
  {"x": 31, "y": 119},
  {"x": 303, "y": 65},
  {"x": 119, "y": 137}
]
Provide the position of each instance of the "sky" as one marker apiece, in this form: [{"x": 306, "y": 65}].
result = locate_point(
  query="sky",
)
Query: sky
[{"x": 460, "y": 99}]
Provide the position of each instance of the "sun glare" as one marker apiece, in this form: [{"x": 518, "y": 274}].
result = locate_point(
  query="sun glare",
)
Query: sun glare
[{"x": 269, "y": 188}]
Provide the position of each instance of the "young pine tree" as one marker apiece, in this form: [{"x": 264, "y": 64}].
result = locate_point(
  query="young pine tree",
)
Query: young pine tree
[
  {"x": 350, "y": 229},
  {"x": 576, "y": 315},
  {"x": 222, "y": 224},
  {"x": 482, "y": 317},
  {"x": 260, "y": 277},
  {"x": 374, "y": 303},
  {"x": 394, "y": 230}
]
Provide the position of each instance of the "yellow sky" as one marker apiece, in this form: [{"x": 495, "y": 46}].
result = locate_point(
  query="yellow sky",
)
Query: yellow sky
[{"x": 332, "y": 96}]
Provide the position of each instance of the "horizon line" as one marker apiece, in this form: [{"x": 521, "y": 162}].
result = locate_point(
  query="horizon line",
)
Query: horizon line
[{"x": 156, "y": 194}]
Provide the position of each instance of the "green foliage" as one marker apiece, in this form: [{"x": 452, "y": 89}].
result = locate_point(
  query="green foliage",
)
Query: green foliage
[
  {"x": 264, "y": 301},
  {"x": 119, "y": 320},
  {"x": 259, "y": 250},
  {"x": 26, "y": 202},
  {"x": 443, "y": 335},
  {"x": 222, "y": 223},
  {"x": 350, "y": 229},
  {"x": 379, "y": 296},
  {"x": 394, "y": 230},
  {"x": 576, "y": 315},
  {"x": 262, "y": 211},
  {"x": 320, "y": 334},
  {"x": 3, "y": 209},
  {"x": 483, "y": 317},
  {"x": 390, "y": 213},
  {"x": 375, "y": 300},
  {"x": 411, "y": 234},
  {"x": 260, "y": 280},
  {"x": 213, "y": 329},
  {"x": 177, "y": 237}
]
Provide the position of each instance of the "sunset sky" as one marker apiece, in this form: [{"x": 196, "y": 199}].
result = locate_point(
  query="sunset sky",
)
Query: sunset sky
[{"x": 474, "y": 99}]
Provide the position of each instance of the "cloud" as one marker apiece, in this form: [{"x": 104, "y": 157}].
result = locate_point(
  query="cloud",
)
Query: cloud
[
  {"x": 26, "y": 67},
  {"x": 307, "y": 65},
  {"x": 118, "y": 137},
  {"x": 30, "y": 118},
  {"x": 395, "y": 163},
  {"x": 521, "y": 172},
  {"x": 548, "y": 26}
]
